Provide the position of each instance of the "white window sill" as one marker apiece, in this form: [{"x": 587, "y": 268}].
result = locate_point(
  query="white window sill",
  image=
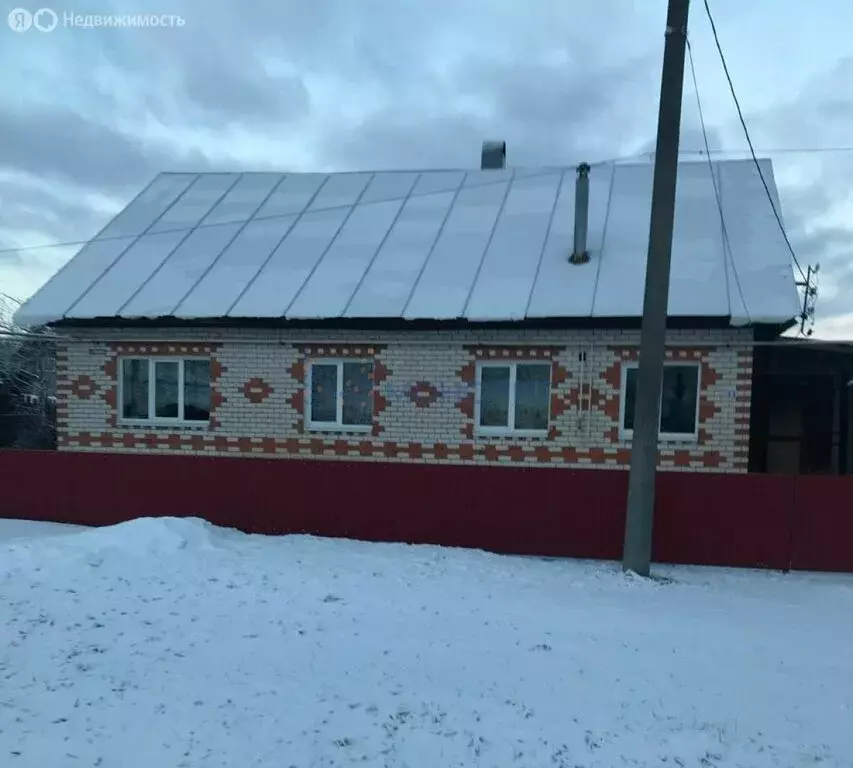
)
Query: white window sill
[
  {"x": 665, "y": 437},
  {"x": 497, "y": 432},
  {"x": 335, "y": 427}
]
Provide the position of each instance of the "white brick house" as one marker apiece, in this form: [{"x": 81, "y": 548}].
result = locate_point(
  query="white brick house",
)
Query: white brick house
[{"x": 428, "y": 316}]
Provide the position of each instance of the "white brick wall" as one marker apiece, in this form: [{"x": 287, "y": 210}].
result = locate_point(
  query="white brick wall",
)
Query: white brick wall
[{"x": 584, "y": 434}]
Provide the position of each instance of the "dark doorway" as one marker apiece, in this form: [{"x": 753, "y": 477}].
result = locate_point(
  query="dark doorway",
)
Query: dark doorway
[{"x": 795, "y": 428}]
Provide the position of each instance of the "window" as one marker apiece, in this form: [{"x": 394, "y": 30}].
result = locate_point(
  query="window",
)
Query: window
[
  {"x": 164, "y": 389},
  {"x": 513, "y": 397},
  {"x": 679, "y": 400},
  {"x": 340, "y": 395}
]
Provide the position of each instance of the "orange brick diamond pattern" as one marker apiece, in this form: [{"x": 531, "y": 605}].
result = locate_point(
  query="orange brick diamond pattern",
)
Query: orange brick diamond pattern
[
  {"x": 423, "y": 394},
  {"x": 83, "y": 387},
  {"x": 257, "y": 390}
]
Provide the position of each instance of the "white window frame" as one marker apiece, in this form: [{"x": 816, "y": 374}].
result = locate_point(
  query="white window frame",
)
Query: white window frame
[
  {"x": 513, "y": 373},
  {"x": 158, "y": 420},
  {"x": 337, "y": 425},
  {"x": 670, "y": 437}
]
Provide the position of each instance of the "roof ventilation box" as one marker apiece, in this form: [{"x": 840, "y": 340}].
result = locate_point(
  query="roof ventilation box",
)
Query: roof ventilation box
[{"x": 493, "y": 156}]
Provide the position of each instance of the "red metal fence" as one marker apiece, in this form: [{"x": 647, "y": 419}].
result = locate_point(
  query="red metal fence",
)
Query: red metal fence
[{"x": 771, "y": 521}]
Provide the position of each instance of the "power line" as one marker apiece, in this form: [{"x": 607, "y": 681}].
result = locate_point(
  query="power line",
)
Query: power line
[
  {"x": 611, "y": 161},
  {"x": 776, "y": 150},
  {"x": 749, "y": 140},
  {"x": 543, "y": 171},
  {"x": 648, "y": 155},
  {"x": 727, "y": 246}
]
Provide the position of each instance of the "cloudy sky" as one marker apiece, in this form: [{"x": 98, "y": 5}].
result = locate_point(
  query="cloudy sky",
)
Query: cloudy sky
[{"x": 88, "y": 116}]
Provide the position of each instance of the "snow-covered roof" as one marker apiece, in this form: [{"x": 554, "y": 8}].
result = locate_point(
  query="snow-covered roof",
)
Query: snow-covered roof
[{"x": 481, "y": 245}]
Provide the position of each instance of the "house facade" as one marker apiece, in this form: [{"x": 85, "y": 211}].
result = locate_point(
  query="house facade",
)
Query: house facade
[
  {"x": 543, "y": 397},
  {"x": 434, "y": 316}
]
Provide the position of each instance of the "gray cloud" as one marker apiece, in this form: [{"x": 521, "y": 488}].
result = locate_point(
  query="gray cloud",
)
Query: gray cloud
[
  {"x": 815, "y": 187},
  {"x": 691, "y": 139},
  {"x": 60, "y": 143},
  {"x": 243, "y": 92},
  {"x": 818, "y": 110},
  {"x": 830, "y": 247},
  {"x": 55, "y": 214},
  {"x": 546, "y": 113}
]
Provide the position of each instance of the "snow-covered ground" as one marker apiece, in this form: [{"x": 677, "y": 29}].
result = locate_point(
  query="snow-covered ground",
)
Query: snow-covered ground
[{"x": 172, "y": 643}]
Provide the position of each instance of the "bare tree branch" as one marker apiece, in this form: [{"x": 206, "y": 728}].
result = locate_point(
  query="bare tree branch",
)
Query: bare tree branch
[{"x": 27, "y": 382}]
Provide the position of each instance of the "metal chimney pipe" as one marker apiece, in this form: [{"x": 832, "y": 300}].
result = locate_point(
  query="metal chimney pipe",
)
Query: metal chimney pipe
[
  {"x": 493, "y": 156},
  {"x": 580, "y": 255}
]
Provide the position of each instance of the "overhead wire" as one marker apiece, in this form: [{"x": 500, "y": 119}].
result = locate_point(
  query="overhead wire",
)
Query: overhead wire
[
  {"x": 776, "y": 150},
  {"x": 542, "y": 171},
  {"x": 727, "y": 246},
  {"x": 749, "y": 139},
  {"x": 545, "y": 171}
]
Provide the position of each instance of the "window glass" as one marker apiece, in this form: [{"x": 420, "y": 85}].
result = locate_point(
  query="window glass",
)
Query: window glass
[
  {"x": 494, "y": 396},
  {"x": 630, "y": 395},
  {"x": 134, "y": 389},
  {"x": 357, "y": 393},
  {"x": 197, "y": 390},
  {"x": 166, "y": 389},
  {"x": 532, "y": 396},
  {"x": 678, "y": 400},
  {"x": 324, "y": 390},
  {"x": 678, "y": 405}
]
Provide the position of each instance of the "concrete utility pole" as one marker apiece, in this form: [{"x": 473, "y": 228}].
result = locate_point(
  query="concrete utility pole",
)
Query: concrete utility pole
[{"x": 637, "y": 553}]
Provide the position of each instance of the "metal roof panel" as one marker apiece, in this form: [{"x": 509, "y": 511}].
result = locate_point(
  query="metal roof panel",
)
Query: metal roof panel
[
  {"x": 697, "y": 283},
  {"x": 329, "y": 288},
  {"x": 279, "y": 281},
  {"x": 448, "y": 277},
  {"x": 479, "y": 244},
  {"x": 762, "y": 271},
  {"x": 148, "y": 206},
  {"x": 160, "y": 295},
  {"x": 391, "y": 278},
  {"x": 222, "y": 286},
  {"x": 59, "y": 294},
  {"x": 191, "y": 206},
  {"x": 509, "y": 267},
  {"x": 292, "y": 195},
  {"x": 563, "y": 289},
  {"x": 243, "y": 199},
  {"x": 118, "y": 284}
]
